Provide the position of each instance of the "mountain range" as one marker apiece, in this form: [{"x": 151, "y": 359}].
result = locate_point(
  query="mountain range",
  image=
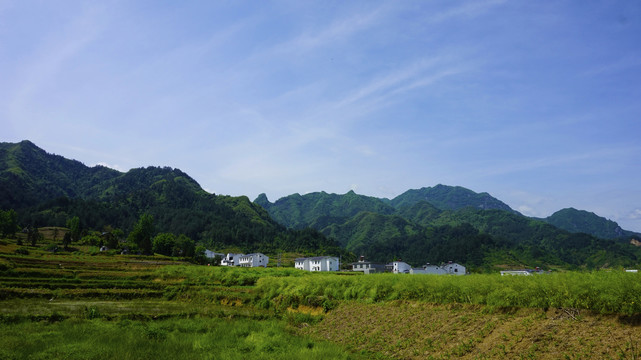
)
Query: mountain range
[
  {"x": 47, "y": 190},
  {"x": 430, "y": 224}
]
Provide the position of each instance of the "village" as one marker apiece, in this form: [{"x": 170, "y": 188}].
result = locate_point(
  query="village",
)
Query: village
[{"x": 333, "y": 263}]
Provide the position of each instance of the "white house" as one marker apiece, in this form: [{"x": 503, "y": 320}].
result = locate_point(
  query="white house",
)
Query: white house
[
  {"x": 429, "y": 269},
  {"x": 302, "y": 264},
  {"x": 367, "y": 267},
  {"x": 318, "y": 263},
  {"x": 230, "y": 259},
  {"x": 253, "y": 260},
  {"x": 453, "y": 268},
  {"x": 400, "y": 267}
]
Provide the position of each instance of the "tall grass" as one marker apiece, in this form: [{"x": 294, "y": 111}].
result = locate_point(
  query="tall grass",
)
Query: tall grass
[
  {"x": 223, "y": 275},
  {"x": 603, "y": 292},
  {"x": 196, "y": 338}
]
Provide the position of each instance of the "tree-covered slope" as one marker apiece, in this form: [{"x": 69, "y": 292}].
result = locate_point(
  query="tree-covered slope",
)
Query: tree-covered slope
[
  {"x": 298, "y": 211},
  {"x": 47, "y": 190},
  {"x": 449, "y": 198},
  {"x": 29, "y": 175},
  {"x": 469, "y": 227},
  {"x": 581, "y": 221}
]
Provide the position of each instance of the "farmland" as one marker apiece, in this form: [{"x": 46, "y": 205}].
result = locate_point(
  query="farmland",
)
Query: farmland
[{"x": 86, "y": 304}]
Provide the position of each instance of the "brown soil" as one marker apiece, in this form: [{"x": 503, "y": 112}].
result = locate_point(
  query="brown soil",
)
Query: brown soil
[{"x": 412, "y": 330}]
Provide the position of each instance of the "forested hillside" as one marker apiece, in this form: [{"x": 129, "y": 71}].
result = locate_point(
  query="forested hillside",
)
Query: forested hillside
[
  {"x": 449, "y": 198},
  {"x": 446, "y": 223},
  {"x": 435, "y": 224},
  {"x": 48, "y": 190},
  {"x": 574, "y": 220}
]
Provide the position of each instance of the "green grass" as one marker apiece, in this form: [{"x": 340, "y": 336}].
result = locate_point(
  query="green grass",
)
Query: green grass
[
  {"x": 603, "y": 292},
  {"x": 193, "y": 338},
  {"x": 82, "y": 306}
]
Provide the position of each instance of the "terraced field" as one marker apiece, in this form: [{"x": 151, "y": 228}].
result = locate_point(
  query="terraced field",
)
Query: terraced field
[{"x": 84, "y": 305}]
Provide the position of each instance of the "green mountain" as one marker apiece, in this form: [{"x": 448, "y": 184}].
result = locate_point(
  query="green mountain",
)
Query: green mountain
[
  {"x": 29, "y": 175},
  {"x": 47, "y": 190},
  {"x": 299, "y": 211},
  {"x": 435, "y": 224},
  {"x": 465, "y": 226},
  {"x": 581, "y": 221},
  {"x": 449, "y": 198}
]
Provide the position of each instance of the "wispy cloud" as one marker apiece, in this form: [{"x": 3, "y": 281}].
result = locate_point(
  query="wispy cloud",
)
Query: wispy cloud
[
  {"x": 469, "y": 9},
  {"x": 58, "y": 49},
  {"x": 628, "y": 63},
  {"x": 340, "y": 30},
  {"x": 516, "y": 165}
]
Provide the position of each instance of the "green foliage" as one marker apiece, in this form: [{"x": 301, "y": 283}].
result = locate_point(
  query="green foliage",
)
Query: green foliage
[
  {"x": 163, "y": 243},
  {"x": 194, "y": 338},
  {"x": 142, "y": 233},
  {"x": 49, "y": 190},
  {"x": 8, "y": 223},
  {"x": 582, "y": 221},
  {"x": 449, "y": 198},
  {"x": 74, "y": 228},
  {"x": 296, "y": 211},
  {"x": 603, "y": 292}
]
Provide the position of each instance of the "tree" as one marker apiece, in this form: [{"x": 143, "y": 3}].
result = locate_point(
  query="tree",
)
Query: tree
[
  {"x": 142, "y": 233},
  {"x": 66, "y": 240},
  {"x": 33, "y": 235},
  {"x": 8, "y": 223},
  {"x": 114, "y": 239},
  {"x": 74, "y": 228},
  {"x": 164, "y": 243},
  {"x": 184, "y": 247}
]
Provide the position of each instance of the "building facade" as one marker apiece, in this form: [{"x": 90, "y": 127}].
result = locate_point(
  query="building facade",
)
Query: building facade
[
  {"x": 367, "y": 267},
  {"x": 318, "y": 263},
  {"x": 253, "y": 260}
]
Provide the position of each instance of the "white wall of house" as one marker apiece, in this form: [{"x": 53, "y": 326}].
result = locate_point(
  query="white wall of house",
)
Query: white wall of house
[
  {"x": 429, "y": 269},
  {"x": 230, "y": 259},
  {"x": 319, "y": 263},
  {"x": 253, "y": 260},
  {"x": 400, "y": 267},
  {"x": 453, "y": 268},
  {"x": 302, "y": 264}
]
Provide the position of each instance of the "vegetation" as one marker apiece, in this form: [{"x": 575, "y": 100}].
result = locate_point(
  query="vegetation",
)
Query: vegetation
[
  {"x": 574, "y": 220},
  {"x": 449, "y": 198},
  {"x": 49, "y": 190},
  {"x": 457, "y": 224},
  {"x": 600, "y": 292},
  {"x": 86, "y": 304}
]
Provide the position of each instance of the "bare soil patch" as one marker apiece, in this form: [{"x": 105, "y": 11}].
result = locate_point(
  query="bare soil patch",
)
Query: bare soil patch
[{"x": 414, "y": 330}]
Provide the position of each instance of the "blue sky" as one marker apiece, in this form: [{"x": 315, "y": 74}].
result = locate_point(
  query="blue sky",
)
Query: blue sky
[{"x": 536, "y": 102}]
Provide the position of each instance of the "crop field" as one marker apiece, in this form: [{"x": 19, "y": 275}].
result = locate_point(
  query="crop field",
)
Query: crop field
[{"x": 88, "y": 305}]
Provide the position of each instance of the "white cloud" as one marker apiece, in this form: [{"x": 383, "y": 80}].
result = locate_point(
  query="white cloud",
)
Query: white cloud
[
  {"x": 635, "y": 214},
  {"x": 50, "y": 59},
  {"x": 111, "y": 166},
  {"x": 469, "y": 9}
]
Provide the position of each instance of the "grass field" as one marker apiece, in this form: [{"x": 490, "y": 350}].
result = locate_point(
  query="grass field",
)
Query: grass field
[{"x": 88, "y": 305}]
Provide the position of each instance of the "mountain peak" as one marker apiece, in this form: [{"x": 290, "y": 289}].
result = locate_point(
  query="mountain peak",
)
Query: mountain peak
[
  {"x": 447, "y": 197},
  {"x": 582, "y": 221}
]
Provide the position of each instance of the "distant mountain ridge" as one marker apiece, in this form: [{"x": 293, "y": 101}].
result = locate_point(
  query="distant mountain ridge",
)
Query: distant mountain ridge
[
  {"x": 47, "y": 189},
  {"x": 430, "y": 224},
  {"x": 574, "y": 220},
  {"x": 428, "y": 219},
  {"x": 449, "y": 198}
]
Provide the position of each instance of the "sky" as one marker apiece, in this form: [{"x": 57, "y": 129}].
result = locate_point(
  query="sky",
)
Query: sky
[{"x": 537, "y": 103}]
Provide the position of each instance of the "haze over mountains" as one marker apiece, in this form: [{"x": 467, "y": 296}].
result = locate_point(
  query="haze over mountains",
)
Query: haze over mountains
[{"x": 430, "y": 224}]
